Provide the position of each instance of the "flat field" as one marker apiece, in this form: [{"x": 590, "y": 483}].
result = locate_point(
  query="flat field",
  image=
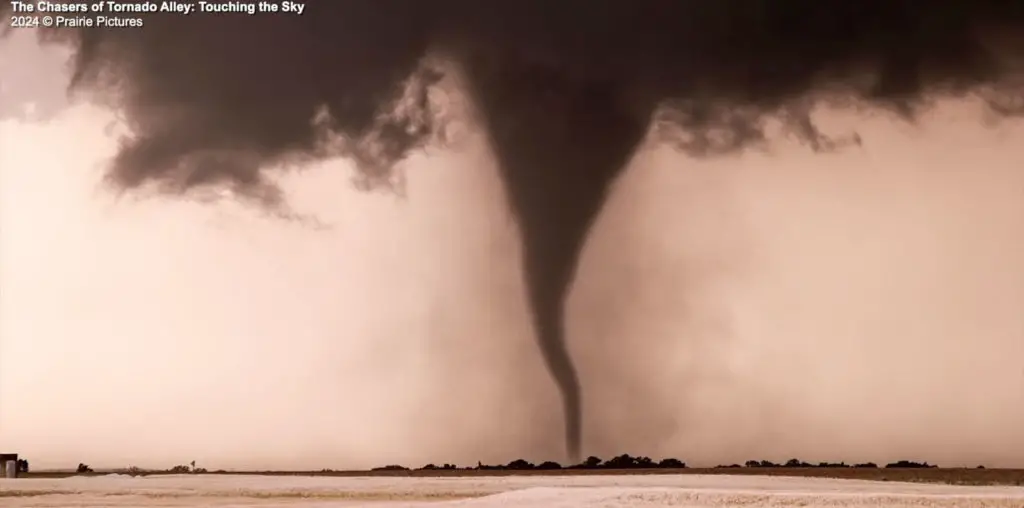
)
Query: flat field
[
  {"x": 471, "y": 489},
  {"x": 950, "y": 476}
]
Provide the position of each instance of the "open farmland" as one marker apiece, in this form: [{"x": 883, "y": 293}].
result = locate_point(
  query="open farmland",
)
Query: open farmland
[{"x": 484, "y": 490}]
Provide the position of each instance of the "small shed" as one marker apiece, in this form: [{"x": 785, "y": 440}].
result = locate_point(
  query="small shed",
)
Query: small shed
[{"x": 8, "y": 465}]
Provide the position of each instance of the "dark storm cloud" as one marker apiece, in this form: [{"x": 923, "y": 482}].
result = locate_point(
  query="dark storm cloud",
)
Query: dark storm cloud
[
  {"x": 566, "y": 89},
  {"x": 240, "y": 90}
]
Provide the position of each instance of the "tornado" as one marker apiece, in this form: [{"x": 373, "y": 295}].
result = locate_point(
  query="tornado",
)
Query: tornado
[
  {"x": 565, "y": 91},
  {"x": 561, "y": 143}
]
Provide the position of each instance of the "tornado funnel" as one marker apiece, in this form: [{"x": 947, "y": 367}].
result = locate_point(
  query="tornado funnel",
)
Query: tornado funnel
[{"x": 560, "y": 145}]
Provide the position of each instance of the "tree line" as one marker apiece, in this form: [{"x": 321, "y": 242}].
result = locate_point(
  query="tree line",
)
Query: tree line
[{"x": 626, "y": 461}]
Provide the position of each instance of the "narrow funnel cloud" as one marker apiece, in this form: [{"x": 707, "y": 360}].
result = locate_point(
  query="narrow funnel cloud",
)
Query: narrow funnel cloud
[
  {"x": 566, "y": 91},
  {"x": 560, "y": 147}
]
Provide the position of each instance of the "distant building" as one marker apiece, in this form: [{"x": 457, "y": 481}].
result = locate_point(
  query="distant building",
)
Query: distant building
[{"x": 8, "y": 460}]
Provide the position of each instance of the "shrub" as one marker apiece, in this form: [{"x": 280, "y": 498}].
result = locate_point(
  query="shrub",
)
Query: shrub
[
  {"x": 391, "y": 467},
  {"x": 908, "y": 464}
]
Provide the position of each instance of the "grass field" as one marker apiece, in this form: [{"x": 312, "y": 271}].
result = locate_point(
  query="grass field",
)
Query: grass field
[
  {"x": 485, "y": 489},
  {"x": 949, "y": 476}
]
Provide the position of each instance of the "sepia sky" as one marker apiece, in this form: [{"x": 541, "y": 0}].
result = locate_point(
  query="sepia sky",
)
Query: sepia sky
[{"x": 856, "y": 306}]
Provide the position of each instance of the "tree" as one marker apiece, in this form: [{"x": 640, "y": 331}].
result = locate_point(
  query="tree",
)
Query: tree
[
  {"x": 908, "y": 464},
  {"x": 519, "y": 465},
  {"x": 672, "y": 464},
  {"x": 624, "y": 461}
]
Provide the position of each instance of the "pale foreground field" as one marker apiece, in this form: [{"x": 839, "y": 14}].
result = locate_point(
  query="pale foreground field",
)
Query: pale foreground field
[{"x": 223, "y": 491}]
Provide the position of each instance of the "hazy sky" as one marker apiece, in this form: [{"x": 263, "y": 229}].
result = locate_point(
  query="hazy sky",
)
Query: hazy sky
[{"x": 857, "y": 306}]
